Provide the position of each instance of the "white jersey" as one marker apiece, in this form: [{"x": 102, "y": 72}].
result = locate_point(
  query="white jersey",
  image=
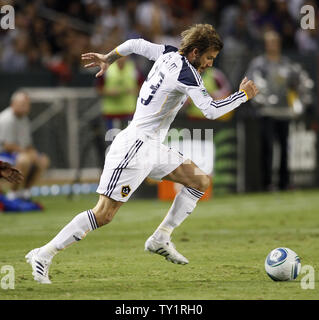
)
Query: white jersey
[{"x": 171, "y": 80}]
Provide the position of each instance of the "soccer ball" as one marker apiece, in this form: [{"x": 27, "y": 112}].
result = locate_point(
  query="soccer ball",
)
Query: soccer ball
[{"x": 282, "y": 264}]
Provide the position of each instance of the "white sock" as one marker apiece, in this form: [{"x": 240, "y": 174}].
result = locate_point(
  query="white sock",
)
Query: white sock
[
  {"x": 22, "y": 193},
  {"x": 12, "y": 195},
  {"x": 74, "y": 231},
  {"x": 183, "y": 205}
]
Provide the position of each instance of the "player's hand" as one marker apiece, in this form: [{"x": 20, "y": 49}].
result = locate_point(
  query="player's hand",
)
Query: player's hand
[
  {"x": 95, "y": 60},
  {"x": 10, "y": 173},
  {"x": 249, "y": 87}
]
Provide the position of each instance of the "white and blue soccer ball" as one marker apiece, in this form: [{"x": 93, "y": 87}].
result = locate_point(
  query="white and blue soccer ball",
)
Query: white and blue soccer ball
[{"x": 282, "y": 264}]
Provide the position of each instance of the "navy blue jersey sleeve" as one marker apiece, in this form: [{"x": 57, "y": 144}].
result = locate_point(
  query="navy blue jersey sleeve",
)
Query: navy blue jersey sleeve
[
  {"x": 169, "y": 48},
  {"x": 188, "y": 75}
]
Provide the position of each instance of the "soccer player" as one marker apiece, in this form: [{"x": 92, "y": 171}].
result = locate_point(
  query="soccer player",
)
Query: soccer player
[
  {"x": 137, "y": 152},
  {"x": 10, "y": 173}
]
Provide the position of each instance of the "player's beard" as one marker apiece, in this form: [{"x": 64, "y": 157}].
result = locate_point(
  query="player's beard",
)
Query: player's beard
[{"x": 196, "y": 62}]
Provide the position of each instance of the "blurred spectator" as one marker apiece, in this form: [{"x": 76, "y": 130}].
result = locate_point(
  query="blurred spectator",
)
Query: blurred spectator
[
  {"x": 16, "y": 145},
  {"x": 284, "y": 94},
  {"x": 307, "y": 41},
  {"x": 262, "y": 19},
  {"x": 113, "y": 17},
  {"x": 208, "y": 13},
  {"x": 153, "y": 18},
  {"x": 294, "y": 8},
  {"x": 131, "y": 7},
  {"x": 284, "y": 24},
  {"x": 238, "y": 44},
  {"x": 118, "y": 90},
  {"x": 230, "y": 15},
  {"x": 15, "y": 56}
]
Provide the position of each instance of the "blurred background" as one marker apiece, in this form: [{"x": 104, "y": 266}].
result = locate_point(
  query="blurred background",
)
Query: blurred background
[{"x": 268, "y": 144}]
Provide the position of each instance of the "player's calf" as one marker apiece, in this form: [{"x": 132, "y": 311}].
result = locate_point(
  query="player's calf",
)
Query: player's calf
[
  {"x": 105, "y": 210},
  {"x": 190, "y": 175}
]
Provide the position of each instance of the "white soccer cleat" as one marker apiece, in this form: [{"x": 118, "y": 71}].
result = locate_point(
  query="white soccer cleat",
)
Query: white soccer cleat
[
  {"x": 165, "y": 249},
  {"x": 40, "y": 266}
]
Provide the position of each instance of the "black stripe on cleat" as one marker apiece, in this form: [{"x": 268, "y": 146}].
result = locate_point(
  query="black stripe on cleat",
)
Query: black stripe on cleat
[
  {"x": 39, "y": 268},
  {"x": 39, "y": 263}
]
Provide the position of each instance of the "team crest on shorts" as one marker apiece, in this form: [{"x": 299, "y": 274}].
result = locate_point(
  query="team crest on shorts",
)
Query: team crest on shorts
[{"x": 125, "y": 191}]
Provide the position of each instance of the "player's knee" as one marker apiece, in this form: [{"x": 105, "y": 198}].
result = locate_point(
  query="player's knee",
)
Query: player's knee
[
  {"x": 203, "y": 182},
  {"x": 200, "y": 182}
]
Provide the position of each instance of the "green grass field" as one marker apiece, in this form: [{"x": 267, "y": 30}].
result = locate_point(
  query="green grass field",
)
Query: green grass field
[{"x": 225, "y": 239}]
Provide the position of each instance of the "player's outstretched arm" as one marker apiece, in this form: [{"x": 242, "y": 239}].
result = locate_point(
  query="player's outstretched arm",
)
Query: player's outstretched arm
[
  {"x": 141, "y": 47},
  {"x": 103, "y": 61},
  {"x": 213, "y": 109}
]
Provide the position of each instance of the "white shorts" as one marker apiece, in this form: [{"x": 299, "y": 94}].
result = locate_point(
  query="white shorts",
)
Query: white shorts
[{"x": 133, "y": 157}]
